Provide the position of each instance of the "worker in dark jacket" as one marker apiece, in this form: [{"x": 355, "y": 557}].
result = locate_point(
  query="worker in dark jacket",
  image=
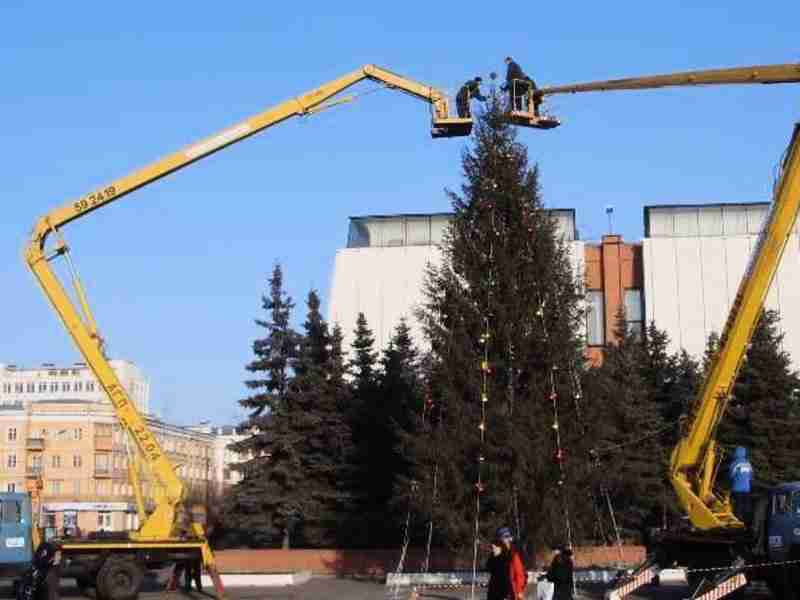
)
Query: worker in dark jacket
[
  {"x": 497, "y": 566},
  {"x": 471, "y": 89},
  {"x": 519, "y": 85},
  {"x": 560, "y": 574}
]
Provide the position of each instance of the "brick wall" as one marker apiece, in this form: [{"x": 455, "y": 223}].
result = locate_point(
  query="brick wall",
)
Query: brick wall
[{"x": 380, "y": 562}]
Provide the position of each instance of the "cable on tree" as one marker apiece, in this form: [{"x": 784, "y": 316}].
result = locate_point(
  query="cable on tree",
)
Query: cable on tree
[{"x": 486, "y": 370}]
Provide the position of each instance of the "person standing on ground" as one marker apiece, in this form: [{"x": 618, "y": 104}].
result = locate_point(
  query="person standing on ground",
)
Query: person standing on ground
[
  {"x": 497, "y": 566},
  {"x": 471, "y": 89},
  {"x": 517, "y": 576},
  {"x": 561, "y": 574},
  {"x": 740, "y": 473}
]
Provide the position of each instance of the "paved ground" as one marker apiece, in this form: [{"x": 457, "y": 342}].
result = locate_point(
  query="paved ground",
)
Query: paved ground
[{"x": 323, "y": 588}]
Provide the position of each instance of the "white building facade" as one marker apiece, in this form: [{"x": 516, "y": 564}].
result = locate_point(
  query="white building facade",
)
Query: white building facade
[
  {"x": 76, "y": 382},
  {"x": 694, "y": 258},
  {"x": 382, "y": 271}
]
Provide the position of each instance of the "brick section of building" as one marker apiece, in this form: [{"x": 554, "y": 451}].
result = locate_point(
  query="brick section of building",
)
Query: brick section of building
[
  {"x": 377, "y": 563},
  {"x": 614, "y": 268}
]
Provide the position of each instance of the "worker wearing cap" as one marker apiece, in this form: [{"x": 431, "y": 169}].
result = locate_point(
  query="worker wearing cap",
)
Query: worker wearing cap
[
  {"x": 471, "y": 89},
  {"x": 517, "y": 576}
]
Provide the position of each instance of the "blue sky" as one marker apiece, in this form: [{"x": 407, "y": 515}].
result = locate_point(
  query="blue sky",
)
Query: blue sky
[{"x": 92, "y": 90}]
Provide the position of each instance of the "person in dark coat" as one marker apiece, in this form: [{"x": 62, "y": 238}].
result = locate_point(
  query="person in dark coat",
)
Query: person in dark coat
[
  {"x": 497, "y": 566},
  {"x": 519, "y": 85},
  {"x": 560, "y": 574},
  {"x": 471, "y": 89}
]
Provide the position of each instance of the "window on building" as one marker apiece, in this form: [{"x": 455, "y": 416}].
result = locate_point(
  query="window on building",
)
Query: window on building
[
  {"x": 11, "y": 461},
  {"x": 226, "y": 474},
  {"x": 43, "y": 434},
  {"x": 12, "y": 434},
  {"x": 18, "y": 388},
  {"x": 595, "y": 318},
  {"x": 634, "y": 314},
  {"x": 78, "y": 386},
  {"x": 55, "y": 486},
  {"x": 56, "y": 461},
  {"x": 53, "y": 386},
  {"x": 63, "y": 372},
  {"x": 104, "y": 521},
  {"x": 11, "y": 487},
  {"x": 76, "y": 487},
  {"x": 77, "y": 461},
  {"x": 102, "y": 430},
  {"x": 42, "y": 388},
  {"x": 6, "y": 388},
  {"x": 101, "y": 463},
  {"x": 49, "y": 519},
  {"x": 65, "y": 386},
  {"x": 77, "y": 434},
  {"x": 30, "y": 388}
]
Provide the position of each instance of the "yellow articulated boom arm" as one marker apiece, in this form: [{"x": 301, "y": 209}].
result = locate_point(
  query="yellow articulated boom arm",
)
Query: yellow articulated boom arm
[
  {"x": 695, "y": 460},
  {"x": 788, "y": 73},
  {"x": 79, "y": 320}
]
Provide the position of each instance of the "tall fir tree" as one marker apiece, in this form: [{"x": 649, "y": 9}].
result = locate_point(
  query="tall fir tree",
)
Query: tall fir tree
[
  {"x": 252, "y": 506},
  {"x": 506, "y": 273}
]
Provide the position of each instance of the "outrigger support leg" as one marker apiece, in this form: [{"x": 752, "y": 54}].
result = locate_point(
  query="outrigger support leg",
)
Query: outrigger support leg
[
  {"x": 644, "y": 574},
  {"x": 720, "y": 586}
]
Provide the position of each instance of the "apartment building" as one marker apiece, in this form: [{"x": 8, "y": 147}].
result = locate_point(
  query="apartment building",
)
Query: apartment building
[
  {"x": 73, "y": 456},
  {"x": 75, "y": 382},
  {"x": 224, "y": 457}
]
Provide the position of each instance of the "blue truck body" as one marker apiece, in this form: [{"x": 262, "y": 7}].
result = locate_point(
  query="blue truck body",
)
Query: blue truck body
[{"x": 16, "y": 543}]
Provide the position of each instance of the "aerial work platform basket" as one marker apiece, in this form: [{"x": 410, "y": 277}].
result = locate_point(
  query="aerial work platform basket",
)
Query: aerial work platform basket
[
  {"x": 525, "y": 118},
  {"x": 450, "y": 127},
  {"x": 523, "y": 107}
]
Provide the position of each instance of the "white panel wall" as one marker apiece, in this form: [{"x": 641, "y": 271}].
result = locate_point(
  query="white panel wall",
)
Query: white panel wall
[
  {"x": 690, "y": 282},
  {"x": 386, "y": 285}
]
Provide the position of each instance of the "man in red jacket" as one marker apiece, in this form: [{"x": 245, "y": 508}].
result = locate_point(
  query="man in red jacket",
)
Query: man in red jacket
[{"x": 518, "y": 577}]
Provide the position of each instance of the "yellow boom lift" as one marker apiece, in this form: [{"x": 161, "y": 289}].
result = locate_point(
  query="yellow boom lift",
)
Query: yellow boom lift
[
  {"x": 718, "y": 539},
  {"x": 116, "y": 566}
]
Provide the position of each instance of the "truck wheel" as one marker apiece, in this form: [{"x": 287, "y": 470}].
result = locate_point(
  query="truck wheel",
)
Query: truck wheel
[{"x": 119, "y": 579}]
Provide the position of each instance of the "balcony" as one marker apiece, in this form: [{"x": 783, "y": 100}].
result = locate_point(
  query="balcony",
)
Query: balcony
[
  {"x": 35, "y": 444},
  {"x": 103, "y": 443},
  {"x": 33, "y": 471}
]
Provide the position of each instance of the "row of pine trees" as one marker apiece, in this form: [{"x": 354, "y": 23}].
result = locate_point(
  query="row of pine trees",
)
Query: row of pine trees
[{"x": 363, "y": 447}]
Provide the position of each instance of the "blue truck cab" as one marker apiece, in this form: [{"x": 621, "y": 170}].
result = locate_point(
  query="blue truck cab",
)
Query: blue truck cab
[
  {"x": 783, "y": 523},
  {"x": 16, "y": 544}
]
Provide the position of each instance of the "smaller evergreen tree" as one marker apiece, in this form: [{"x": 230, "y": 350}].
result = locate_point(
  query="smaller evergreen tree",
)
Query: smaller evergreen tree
[
  {"x": 258, "y": 505},
  {"x": 624, "y": 407},
  {"x": 318, "y": 431},
  {"x": 364, "y": 361},
  {"x": 759, "y": 412}
]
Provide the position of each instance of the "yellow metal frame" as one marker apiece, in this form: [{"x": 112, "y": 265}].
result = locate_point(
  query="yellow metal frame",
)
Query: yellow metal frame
[
  {"x": 694, "y": 460},
  {"x": 159, "y": 526}
]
